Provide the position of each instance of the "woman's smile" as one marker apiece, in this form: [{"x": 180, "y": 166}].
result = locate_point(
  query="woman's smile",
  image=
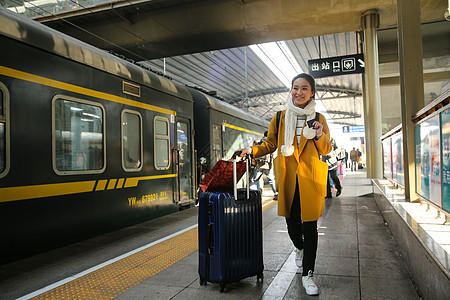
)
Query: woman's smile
[{"x": 301, "y": 92}]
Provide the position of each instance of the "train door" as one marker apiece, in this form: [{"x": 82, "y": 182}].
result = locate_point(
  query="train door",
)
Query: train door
[
  {"x": 185, "y": 159},
  {"x": 217, "y": 144}
]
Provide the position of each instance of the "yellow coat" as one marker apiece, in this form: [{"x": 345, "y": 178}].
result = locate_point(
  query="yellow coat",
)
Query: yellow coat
[{"x": 303, "y": 164}]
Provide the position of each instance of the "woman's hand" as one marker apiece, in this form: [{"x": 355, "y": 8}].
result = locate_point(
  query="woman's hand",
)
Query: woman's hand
[
  {"x": 318, "y": 127},
  {"x": 244, "y": 151}
]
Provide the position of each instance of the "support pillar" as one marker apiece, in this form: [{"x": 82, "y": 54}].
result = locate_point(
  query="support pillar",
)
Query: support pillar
[
  {"x": 372, "y": 100},
  {"x": 365, "y": 113},
  {"x": 411, "y": 83}
]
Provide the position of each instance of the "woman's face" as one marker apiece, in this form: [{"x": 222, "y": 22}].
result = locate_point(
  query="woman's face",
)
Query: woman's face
[{"x": 301, "y": 92}]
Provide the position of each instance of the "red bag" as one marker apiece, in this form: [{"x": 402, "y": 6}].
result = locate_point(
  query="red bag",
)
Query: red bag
[{"x": 220, "y": 178}]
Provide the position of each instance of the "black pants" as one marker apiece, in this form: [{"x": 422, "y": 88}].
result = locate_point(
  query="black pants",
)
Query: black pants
[
  {"x": 335, "y": 178},
  {"x": 303, "y": 234}
]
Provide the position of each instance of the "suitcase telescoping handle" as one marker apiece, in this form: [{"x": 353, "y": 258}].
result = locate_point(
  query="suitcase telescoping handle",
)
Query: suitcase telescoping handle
[{"x": 247, "y": 158}]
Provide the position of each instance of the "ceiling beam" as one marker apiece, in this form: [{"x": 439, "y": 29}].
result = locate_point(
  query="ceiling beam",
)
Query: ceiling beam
[
  {"x": 260, "y": 93},
  {"x": 354, "y": 116},
  {"x": 339, "y": 91},
  {"x": 161, "y": 28},
  {"x": 427, "y": 77},
  {"x": 343, "y": 113},
  {"x": 338, "y": 97},
  {"x": 342, "y": 93}
]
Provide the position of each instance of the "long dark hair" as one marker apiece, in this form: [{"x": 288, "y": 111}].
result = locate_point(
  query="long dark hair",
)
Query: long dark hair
[{"x": 308, "y": 78}]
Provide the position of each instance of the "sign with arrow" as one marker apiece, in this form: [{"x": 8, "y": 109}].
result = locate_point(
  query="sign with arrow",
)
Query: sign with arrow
[
  {"x": 338, "y": 65},
  {"x": 354, "y": 128}
]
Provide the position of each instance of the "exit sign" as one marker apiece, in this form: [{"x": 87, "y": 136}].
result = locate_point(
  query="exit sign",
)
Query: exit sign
[{"x": 338, "y": 65}]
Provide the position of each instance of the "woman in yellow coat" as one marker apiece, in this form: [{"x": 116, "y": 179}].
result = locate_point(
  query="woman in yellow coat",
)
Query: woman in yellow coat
[{"x": 301, "y": 177}]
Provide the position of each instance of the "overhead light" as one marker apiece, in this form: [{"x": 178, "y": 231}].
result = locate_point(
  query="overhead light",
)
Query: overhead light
[{"x": 279, "y": 59}]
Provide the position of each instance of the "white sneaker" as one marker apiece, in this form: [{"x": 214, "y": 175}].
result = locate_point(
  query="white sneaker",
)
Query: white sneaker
[
  {"x": 298, "y": 257},
  {"x": 309, "y": 285}
]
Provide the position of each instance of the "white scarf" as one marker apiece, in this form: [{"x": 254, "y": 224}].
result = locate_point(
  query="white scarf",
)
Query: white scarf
[{"x": 292, "y": 112}]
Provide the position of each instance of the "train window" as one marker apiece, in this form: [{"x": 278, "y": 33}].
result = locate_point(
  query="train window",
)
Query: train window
[
  {"x": 162, "y": 143},
  {"x": 217, "y": 142},
  {"x": 4, "y": 130},
  {"x": 78, "y": 136},
  {"x": 131, "y": 141}
]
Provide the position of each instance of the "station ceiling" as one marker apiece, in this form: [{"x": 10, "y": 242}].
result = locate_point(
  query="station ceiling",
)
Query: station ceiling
[{"x": 204, "y": 43}]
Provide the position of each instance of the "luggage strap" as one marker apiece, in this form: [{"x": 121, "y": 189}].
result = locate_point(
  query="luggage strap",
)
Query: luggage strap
[{"x": 278, "y": 123}]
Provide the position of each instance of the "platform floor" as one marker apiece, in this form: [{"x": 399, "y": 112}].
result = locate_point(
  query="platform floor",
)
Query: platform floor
[{"x": 357, "y": 259}]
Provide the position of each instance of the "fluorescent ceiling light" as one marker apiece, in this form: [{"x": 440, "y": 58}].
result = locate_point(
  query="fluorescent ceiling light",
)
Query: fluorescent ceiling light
[{"x": 279, "y": 59}]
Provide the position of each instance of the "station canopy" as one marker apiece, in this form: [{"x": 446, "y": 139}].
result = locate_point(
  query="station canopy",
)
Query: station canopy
[{"x": 257, "y": 77}]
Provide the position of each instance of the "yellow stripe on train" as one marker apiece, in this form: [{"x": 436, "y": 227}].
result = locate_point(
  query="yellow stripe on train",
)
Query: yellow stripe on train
[
  {"x": 242, "y": 129},
  {"x": 58, "y": 189},
  {"x": 80, "y": 90},
  {"x": 132, "y": 182},
  {"x": 45, "y": 190}
]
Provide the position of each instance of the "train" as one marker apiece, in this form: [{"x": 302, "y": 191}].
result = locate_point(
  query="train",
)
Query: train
[{"x": 91, "y": 143}]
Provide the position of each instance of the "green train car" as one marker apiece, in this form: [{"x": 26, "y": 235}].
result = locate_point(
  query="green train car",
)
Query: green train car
[
  {"x": 221, "y": 129},
  {"x": 89, "y": 143}
]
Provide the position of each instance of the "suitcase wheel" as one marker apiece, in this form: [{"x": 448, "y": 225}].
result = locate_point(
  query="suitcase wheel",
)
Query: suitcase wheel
[
  {"x": 202, "y": 281},
  {"x": 222, "y": 287},
  {"x": 260, "y": 276}
]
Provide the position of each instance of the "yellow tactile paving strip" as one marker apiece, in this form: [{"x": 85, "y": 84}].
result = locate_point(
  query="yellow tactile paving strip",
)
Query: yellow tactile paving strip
[{"x": 116, "y": 278}]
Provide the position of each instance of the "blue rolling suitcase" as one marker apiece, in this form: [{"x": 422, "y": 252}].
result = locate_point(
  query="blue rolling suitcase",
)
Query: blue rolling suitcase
[{"x": 230, "y": 235}]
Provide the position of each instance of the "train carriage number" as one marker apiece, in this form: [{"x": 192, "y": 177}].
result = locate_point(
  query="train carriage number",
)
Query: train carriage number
[{"x": 132, "y": 201}]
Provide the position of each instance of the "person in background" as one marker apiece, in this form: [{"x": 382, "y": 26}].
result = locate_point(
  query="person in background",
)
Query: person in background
[
  {"x": 358, "y": 158},
  {"x": 299, "y": 138},
  {"x": 269, "y": 170},
  {"x": 332, "y": 160},
  {"x": 346, "y": 159},
  {"x": 353, "y": 159},
  {"x": 263, "y": 166},
  {"x": 257, "y": 171}
]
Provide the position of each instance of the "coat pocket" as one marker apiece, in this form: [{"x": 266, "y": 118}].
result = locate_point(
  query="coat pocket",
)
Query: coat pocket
[
  {"x": 320, "y": 176},
  {"x": 276, "y": 171},
  {"x": 279, "y": 170}
]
